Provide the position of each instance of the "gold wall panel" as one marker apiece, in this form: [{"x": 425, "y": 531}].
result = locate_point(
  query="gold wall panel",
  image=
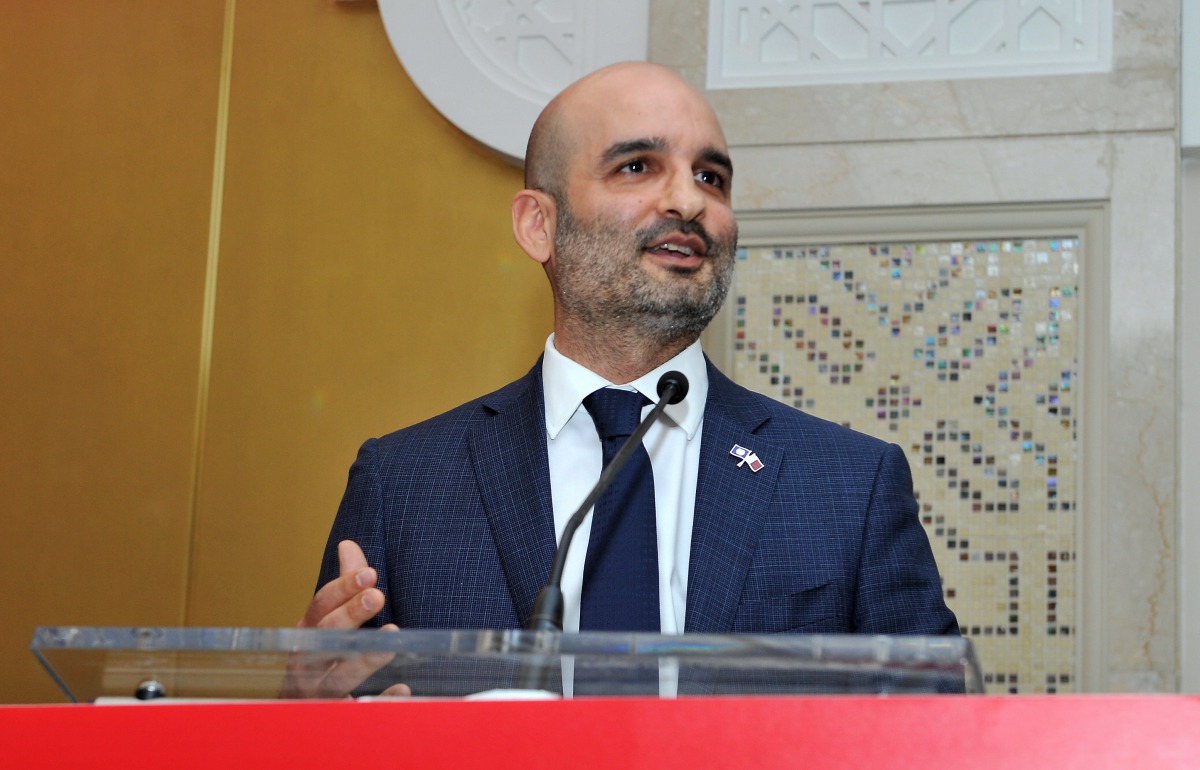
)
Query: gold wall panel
[
  {"x": 106, "y": 152},
  {"x": 368, "y": 279}
]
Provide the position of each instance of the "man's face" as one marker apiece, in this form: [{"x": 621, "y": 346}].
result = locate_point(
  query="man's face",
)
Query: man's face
[
  {"x": 604, "y": 275},
  {"x": 645, "y": 236}
]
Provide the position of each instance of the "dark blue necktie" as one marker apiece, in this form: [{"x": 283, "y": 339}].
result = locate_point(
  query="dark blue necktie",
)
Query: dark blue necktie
[{"x": 620, "y": 573}]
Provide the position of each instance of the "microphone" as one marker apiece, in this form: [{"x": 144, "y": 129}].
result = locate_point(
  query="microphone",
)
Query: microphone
[{"x": 548, "y": 609}]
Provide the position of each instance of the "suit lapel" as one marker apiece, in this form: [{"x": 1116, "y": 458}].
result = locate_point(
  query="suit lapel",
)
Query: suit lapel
[
  {"x": 731, "y": 505},
  {"x": 508, "y": 453}
]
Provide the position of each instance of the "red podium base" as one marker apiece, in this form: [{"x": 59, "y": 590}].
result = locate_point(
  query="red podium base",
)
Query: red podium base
[{"x": 1058, "y": 732}]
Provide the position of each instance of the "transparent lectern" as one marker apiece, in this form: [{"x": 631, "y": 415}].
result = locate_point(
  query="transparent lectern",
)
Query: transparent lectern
[{"x": 92, "y": 664}]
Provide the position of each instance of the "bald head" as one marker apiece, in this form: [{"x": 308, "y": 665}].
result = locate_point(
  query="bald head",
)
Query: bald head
[
  {"x": 547, "y": 153},
  {"x": 552, "y": 140},
  {"x": 627, "y": 206}
]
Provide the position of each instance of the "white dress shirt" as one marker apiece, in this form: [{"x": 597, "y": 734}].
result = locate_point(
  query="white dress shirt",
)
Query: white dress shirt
[{"x": 673, "y": 444}]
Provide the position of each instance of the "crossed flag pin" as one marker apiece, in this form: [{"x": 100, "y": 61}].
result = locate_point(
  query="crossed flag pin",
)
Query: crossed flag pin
[{"x": 747, "y": 457}]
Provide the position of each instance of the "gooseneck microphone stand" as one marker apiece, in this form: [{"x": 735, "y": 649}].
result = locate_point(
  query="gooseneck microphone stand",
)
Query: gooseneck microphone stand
[{"x": 548, "y": 608}]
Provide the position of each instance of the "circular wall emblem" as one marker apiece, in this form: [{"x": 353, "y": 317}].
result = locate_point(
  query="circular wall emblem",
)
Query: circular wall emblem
[{"x": 490, "y": 66}]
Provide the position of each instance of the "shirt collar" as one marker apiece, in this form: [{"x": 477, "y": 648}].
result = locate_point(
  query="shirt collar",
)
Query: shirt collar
[{"x": 566, "y": 383}]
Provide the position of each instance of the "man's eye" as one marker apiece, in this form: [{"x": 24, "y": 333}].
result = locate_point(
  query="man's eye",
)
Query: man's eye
[
  {"x": 634, "y": 167},
  {"x": 710, "y": 178}
]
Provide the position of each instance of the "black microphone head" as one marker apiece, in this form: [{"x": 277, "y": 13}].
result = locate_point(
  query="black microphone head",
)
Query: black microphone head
[{"x": 676, "y": 380}]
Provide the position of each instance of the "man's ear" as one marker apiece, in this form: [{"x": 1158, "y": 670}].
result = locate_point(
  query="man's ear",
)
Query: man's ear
[{"x": 533, "y": 221}]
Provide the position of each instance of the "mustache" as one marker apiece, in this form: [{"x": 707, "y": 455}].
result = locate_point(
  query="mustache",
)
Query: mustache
[{"x": 655, "y": 233}]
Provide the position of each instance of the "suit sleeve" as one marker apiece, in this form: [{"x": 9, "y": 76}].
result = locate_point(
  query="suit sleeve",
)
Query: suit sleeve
[
  {"x": 360, "y": 518},
  {"x": 899, "y": 589}
]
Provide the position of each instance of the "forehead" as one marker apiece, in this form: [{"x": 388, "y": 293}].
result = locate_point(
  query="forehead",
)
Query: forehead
[{"x": 621, "y": 111}]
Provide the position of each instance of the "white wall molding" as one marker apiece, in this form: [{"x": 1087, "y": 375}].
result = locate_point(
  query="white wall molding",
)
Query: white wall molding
[
  {"x": 1190, "y": 78},
  {"x": 1189, "y": 407},
  {"x": 490, "y": 66},
  {"x": 755, "y": 43}
]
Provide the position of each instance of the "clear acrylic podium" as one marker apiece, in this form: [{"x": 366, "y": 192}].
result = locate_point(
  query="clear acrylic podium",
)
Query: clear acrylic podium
[{"x": 91, "y": 663}]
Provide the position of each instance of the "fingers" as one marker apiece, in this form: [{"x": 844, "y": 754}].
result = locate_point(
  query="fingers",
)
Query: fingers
[
  {"x": 313, "y": 675},
  {"x": 351, "y": 558},
  {"x": 349, "y": 600},
  {"x": 397, "y": 691},
  {"x": 329, "y": 676},
  {"x": 340, "y": 679},
  {"x": 358, "y": 610},
  {"x": 345, "y": 602}
]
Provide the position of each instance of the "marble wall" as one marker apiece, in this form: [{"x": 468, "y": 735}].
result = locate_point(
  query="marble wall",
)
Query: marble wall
[
  {"x": 1189, "y": 346},
  {"x": 1189, "y": 404},
  {"x": 1097, "y": 152}
]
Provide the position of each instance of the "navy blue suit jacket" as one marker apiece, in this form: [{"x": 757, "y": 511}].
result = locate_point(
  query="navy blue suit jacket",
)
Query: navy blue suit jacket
[{"x": 455, "y": 515}]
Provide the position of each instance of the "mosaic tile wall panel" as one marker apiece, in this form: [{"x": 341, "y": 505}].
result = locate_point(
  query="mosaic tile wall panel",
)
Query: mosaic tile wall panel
[{"x": 965, "y": 354}]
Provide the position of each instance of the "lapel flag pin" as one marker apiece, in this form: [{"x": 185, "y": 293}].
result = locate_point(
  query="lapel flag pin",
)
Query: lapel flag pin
[{"x": 747, "y": 457}]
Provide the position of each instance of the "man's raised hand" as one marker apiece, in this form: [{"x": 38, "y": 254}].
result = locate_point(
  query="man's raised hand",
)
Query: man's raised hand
[{"x": 348, "y": 601}]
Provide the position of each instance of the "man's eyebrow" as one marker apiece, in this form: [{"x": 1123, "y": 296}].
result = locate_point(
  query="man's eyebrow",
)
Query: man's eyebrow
[
  {"x": 633, "y": 147},
  {"x": 660, "y": 144},
  {"x": 718, "y": 158}
]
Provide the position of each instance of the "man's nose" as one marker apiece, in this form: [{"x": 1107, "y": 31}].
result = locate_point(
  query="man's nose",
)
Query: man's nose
[{"x": 682, "y": 197}]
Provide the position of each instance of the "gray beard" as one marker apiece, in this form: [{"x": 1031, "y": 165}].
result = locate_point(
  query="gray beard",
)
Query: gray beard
[{"x": 602, "y": 282}]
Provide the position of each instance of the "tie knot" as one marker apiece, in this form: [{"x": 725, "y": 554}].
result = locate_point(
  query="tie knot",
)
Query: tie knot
[{"x": 615, "y": 412}]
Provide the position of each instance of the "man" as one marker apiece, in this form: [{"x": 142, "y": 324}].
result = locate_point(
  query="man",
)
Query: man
[{"x": 627, "y": 208}]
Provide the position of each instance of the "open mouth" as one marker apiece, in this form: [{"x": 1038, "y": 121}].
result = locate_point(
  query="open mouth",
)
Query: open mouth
[
  {"x": 677, "y": 258},
  {"x": 675, "y": 248},
  {"x": 679, "y": 249}
]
